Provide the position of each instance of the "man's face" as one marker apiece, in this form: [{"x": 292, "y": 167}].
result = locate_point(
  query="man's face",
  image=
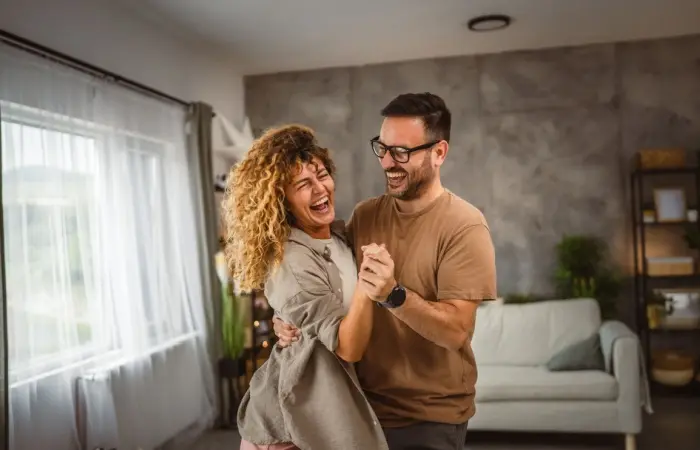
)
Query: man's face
[{"x": 406, "y": 180}]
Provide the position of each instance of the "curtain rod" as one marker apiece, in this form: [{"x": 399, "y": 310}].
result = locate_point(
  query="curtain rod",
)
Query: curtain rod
[{"x": 75, "y": 63}]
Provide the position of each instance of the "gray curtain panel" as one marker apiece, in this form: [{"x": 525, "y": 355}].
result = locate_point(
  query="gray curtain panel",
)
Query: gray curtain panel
[
  {"x": 4, "y": 386},
  {"x": 200, "y": 161}
]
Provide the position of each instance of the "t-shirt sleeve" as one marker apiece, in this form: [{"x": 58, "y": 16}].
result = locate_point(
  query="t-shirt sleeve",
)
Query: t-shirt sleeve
[
  {"x": 352, "y": 225},
  {"x": 467, "y": 267},
  {"x": 350, "y": 229}
]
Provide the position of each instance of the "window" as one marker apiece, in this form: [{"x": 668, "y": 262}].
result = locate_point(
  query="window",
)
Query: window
[
  {"x": 54, "y": 306},
  {"x": 92, "y": 250}
]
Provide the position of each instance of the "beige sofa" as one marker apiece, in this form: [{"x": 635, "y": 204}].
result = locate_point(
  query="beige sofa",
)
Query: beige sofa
[{"x": 516, "y": 391}]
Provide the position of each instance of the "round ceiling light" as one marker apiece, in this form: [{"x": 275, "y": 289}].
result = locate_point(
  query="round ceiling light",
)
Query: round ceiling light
[{"x": 490, "y": 22}]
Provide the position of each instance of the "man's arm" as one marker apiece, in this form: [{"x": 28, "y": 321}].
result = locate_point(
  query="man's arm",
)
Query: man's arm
[
  {"x": 447, "y": 323},
  {"x": 466, "y": 276},
  {"x": 286, "y": 333}
]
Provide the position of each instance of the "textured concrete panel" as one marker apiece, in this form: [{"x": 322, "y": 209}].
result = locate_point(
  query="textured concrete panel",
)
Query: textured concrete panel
[
  {"x": 319, "y": 99},
  {"x": 660, "y": 93},
  {"x": 454, "y": 79},
  {"x": 462, "y": 171},
  {"x": 549, "y": 179},
  {"x": 557, "y": 78}
]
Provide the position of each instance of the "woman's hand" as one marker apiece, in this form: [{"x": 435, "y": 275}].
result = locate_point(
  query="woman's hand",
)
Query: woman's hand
[
  {"x": 377, "y": 272},
  {"x": 286, "y": 334}
]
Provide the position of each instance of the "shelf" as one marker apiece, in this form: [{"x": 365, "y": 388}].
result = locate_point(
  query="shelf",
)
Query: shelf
[
  {"x": 642, "y": 182},
  {"x": 692, "y": 389},
  {"x": 672, "y": 278},
  {"x": 677, "y": 171},
  {"x": 662, "y": 330},
  {"x": 684, "y": 223}
]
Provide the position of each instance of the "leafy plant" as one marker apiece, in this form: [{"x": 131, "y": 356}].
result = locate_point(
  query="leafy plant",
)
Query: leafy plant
[
  {"x": 583, "y": 271},
  {"x": 521, "y": 298},
  {"x": 232, "y": 326}
]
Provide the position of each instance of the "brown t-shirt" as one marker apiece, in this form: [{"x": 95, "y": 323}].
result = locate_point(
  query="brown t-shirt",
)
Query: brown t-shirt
[{"x": 442, "y": 252}]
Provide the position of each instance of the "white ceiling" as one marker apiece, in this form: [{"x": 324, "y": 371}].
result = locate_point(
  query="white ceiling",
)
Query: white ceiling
[{"x": 281, "y": 35}]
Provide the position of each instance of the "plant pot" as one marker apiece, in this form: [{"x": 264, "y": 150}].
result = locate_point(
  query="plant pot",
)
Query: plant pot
[
  {"x": 232, "y": 368},
  {"x": 232, "y": 374}
]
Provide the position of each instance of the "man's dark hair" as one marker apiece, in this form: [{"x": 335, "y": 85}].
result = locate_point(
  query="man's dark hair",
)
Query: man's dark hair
[{"x": 437, "y": 119}]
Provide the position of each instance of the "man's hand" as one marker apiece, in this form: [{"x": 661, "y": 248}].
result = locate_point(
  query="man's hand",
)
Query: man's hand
[
  {"x": 286, "y": 334},
  {"x": 377, "y": 272}
]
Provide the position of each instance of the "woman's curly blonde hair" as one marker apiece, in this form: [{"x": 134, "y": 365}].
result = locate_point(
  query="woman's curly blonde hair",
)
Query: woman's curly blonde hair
[{"x": 256, "y": 220}]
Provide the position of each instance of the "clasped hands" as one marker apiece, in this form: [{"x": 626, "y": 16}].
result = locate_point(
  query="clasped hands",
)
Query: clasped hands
[
  {"x": 375, "y": 278},
  {"x": 376, "y": 275}
]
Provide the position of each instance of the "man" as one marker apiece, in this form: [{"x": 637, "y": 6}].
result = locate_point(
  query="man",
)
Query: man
[{"x": 436, "y": 265}]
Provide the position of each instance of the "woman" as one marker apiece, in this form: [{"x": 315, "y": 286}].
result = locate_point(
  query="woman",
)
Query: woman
[{"x": 282, "y": 234}]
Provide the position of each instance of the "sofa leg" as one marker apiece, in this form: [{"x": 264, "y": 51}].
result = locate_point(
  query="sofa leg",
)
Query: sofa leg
[{"x": 630, "y": 442}]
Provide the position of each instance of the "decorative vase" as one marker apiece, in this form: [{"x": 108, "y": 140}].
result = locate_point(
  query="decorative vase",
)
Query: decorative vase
[{"x": 655, "y": 315}]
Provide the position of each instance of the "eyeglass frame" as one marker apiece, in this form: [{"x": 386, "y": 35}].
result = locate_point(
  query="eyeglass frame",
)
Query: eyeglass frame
[{"x": 403, "y": 150}]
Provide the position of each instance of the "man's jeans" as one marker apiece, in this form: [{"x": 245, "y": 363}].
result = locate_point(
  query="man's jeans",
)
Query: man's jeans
[{"x": 427, "y": 436}]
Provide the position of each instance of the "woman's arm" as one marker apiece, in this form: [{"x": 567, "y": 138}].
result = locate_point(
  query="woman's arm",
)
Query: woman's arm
[
  {"x": 355, "y": 328},
  {"x": 302, "y": 296}
]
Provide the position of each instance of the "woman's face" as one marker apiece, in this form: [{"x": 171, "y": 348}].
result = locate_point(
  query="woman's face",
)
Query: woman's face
[{"x": 311, "y": 198}]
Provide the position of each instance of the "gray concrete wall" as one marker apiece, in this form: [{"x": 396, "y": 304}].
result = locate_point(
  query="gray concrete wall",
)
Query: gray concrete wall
[{"x": 541, "y": 139}]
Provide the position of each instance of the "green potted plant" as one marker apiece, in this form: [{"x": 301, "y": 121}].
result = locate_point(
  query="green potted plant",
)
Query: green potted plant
[
  {"x": 232, "y": 332},
  {"x": 232, "y": 365},
  {"x": 583, "y": 271}
]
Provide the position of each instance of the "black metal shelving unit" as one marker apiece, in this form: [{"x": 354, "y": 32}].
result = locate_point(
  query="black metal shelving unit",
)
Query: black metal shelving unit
[
  {"x": 645, "y": 283},
  {"x": 263, "y": 336}
]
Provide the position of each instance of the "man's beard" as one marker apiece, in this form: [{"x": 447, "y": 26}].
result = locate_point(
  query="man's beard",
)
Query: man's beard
[{"x": 416, "y": 182}]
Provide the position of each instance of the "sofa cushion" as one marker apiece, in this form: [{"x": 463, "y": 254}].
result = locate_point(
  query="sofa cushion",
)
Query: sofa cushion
[
  {"x": 583, "y": 355},
  {"x": 530, "y": 334},
  {"x": 509, "y": 383}
]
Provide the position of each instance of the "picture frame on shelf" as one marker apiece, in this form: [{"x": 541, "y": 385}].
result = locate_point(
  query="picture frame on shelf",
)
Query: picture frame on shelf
[{"x": 670, "y": 205}]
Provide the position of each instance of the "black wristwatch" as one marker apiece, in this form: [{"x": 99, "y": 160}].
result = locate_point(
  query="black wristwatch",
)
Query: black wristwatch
[{"x": 396, "y": 298}]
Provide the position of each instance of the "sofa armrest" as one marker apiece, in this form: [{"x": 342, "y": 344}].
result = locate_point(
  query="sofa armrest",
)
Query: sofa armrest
[
  {"x": 621, "y": 351},
  {"x": 610, "y": 332}
]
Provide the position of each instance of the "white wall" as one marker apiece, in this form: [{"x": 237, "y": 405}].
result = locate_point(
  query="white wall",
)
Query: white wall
[{"x": 118, "y": 38}]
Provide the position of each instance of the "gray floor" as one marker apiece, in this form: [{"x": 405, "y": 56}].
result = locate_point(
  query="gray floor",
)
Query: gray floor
[{"x": 675, "y": 425}]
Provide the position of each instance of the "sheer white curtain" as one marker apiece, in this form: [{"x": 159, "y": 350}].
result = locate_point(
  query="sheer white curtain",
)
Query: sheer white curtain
[{"x": 101, "y": 258}]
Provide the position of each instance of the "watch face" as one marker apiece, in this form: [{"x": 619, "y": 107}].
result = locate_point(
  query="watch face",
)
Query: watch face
[{"x": 397, "y": 296}]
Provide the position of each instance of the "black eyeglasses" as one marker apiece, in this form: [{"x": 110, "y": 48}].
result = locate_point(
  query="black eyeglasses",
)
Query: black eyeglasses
[{"x": 398, "y": 153}]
